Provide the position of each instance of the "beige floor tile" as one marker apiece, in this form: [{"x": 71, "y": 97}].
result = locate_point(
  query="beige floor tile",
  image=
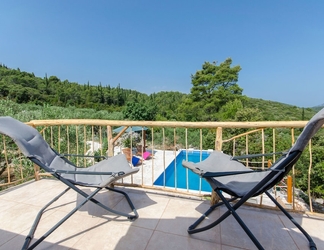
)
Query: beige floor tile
[
  {"x": 266, "y": 227},
  {"x": 17, "y": 243},
  {"x": 107, "y": 198},
  {"x": 166, "y": 241},
  {"x": 6, "y": 204},
  {"x": 67, "y": 234},
  {"x": 7, "y": 236},
  {"x": 313, "y": 225},
  {"x": 72, "y": 199},
  {"x": 225, "y": 247},
  {"x": 17, "y": 219},
  {"x": 46, "y": 183},
  {"x": 30, "y": 189},
  {"x": 114, "y": 235},
  {"x": 181, "y": 213},
  {"x": 150, "y": 208},
  {"x": 20, "y": 194},
  {"x": 41, "y": 199},
  {"x": 14, "y": 243}
]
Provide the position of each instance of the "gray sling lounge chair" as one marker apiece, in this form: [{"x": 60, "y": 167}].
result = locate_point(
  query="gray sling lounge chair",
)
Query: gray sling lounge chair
[
  {"x": 101, "y": 175},
  {"x": 225, "y": 174}
]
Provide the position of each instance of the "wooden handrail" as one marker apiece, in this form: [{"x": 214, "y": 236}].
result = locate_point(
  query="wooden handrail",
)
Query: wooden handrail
[{"x": 172, "y": 124}]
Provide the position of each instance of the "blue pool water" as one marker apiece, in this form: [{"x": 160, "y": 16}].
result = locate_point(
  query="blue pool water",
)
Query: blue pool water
[{"x": 176, "y": 169}]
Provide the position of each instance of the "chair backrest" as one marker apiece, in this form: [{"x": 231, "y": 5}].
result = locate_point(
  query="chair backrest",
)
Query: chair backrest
[
  {"x": 283, "y": 165},
  {"x": 311, "y": 128},
  {"x": 31, "y": 143}
]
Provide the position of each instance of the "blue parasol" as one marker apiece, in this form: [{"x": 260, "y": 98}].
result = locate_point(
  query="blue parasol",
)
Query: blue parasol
[{"x": 133, "y": 128}]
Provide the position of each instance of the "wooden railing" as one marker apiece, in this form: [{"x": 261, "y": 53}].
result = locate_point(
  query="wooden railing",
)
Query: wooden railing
[{"x": 78, "y": 136}]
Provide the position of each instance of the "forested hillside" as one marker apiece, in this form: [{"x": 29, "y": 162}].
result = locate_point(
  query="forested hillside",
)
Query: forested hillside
[
  {"x": 211, "y": 99},
  {"x": 275, "y": 111},
  {"x": 24, "y": 87}
]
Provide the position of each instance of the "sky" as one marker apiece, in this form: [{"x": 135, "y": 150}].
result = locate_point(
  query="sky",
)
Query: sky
[{"x": 153, "y": 45}]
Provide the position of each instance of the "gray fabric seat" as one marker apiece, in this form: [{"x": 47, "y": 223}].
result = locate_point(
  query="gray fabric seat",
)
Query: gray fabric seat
[
  {"x": 101, "y": 175},
  {"x": 237, "y": 186},
  {"x": 225, "y": 174}
]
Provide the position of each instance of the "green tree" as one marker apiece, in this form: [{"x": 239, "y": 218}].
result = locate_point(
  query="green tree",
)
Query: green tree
[
  {"x": 167, "y": 103},
  {"x": 213, "y": 86},
  {"x": 229, "y": 110},
  {"x": 140, "y": 111}
]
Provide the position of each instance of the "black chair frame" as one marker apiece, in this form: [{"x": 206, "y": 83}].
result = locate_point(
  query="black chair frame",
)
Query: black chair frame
[{"x": 262, "y": 185}]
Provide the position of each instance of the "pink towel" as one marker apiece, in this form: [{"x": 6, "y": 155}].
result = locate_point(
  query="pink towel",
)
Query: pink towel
[{"x": 146, "y": 155}]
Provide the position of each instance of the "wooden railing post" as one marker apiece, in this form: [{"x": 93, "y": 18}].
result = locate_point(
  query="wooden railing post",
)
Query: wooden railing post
[
  {"x": 309, "y": 175},
  {"x": 218, "y": 146},
  {"x": 36, "y": 172},
  {"x": 111, "y": 142},
  {"x": 289, "y": 189},
  {"x": 219, "y": 139}
]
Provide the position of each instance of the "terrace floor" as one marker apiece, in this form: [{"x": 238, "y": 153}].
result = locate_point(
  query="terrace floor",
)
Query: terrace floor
[{"x": 162, "y": 223}]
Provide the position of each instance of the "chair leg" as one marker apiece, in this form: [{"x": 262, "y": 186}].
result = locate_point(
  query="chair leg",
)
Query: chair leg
[
  {"x": 128, "y": 216},
  {"x": 192, "y": 229},
  {"x": 130, "y": 203},
  {"x": 30, "y": 236},
  {"x": 215, "y": 223},
  {"x": 88, "y": 197},
  {"x": 33, "y": 229},
  {"x": 312, "y": 244},
  {"x": 231, "y": 210}
]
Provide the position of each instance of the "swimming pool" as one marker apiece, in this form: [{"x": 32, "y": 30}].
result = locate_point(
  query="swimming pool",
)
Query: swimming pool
[{"x": 176, "y": 176}]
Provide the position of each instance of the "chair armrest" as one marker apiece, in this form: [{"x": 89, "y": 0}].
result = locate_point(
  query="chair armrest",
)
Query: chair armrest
[
  {"x": 92, "y": 156},
  {"x": 220, "y": 174},
  {"x": 239, "y": 157},
  {"x": 88, "y": 173}
]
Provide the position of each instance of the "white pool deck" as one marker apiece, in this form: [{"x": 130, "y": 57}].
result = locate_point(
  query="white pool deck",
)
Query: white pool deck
[{"x": 162, "y": 223}]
